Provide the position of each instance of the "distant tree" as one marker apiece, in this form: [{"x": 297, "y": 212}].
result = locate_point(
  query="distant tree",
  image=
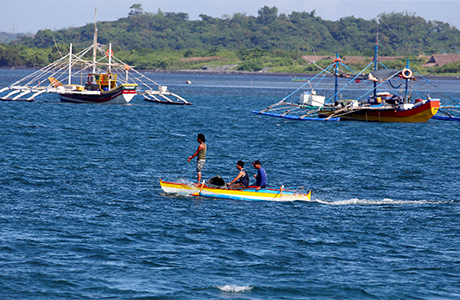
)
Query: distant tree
[
  {"x": 267, "y": 15},
  {"x": 135, "y": 10}
]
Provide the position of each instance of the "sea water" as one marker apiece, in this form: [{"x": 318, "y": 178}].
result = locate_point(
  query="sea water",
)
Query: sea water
[{"x": 83, "y": 216}]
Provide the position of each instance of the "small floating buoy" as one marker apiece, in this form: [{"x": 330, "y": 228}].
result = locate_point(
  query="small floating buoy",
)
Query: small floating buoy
[{"x": 188, "y": 82}]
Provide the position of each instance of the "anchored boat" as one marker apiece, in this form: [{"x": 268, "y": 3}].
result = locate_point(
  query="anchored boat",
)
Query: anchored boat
[
  {"x": 384, "y": 107},
  {"x": 250, "y": 193},
  {"x": 104, "y": 79},
  {"x": 372, "y": 106}
]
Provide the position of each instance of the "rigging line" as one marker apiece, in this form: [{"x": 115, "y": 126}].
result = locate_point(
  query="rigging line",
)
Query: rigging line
[
  {"x": 325, "y": 71},
  {"x": 418, "y": 93},
  {"x": 397, "y": 34},
  {"x": 134, "y": 70},
  {"x": 376, "y": 86},
  {"x": 348, "y": 67},
  {"x": 48, "y": 69},
  {"x": 451, "y": 97},
  {"x": 37, "y": 72},
  {"x": 308, "y": 82},
  {"x": 383, "y": 65},
  {"x": 143, "y": 76},
  {"x": 325, "y": 74},
  {"x": 349, "y": 83},
  {"x": 313, "y": 62}
]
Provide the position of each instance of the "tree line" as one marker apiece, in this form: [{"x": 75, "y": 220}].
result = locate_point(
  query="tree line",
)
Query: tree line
[
  {"x": 269, "y": 33},
  {"x": 399, "y": 33}
]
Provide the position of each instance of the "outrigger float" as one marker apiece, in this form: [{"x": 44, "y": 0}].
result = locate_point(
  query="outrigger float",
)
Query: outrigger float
[
  {"x": 450, "y": 110},
  {"x": 105, "y": 79},
  {"x": 250, "y": 193}
]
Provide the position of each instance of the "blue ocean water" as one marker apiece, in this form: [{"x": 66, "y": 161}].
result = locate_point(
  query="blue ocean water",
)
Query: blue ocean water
[{"x": 83, "y": 216}]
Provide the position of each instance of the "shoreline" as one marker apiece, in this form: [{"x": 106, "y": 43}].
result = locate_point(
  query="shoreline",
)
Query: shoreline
[
  {"x": 245, "y": 73},
  {"x": 241, "y": 73}
]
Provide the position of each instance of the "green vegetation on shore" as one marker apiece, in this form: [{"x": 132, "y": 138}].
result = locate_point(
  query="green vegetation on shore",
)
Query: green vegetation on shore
[{"x": 270, "y": 42}]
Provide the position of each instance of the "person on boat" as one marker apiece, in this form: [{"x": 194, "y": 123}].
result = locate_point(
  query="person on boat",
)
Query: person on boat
[
  {"x": 261, "y": 176},
  {"x": 201, "y": 153},
  {"x": 241, "y": 181}
]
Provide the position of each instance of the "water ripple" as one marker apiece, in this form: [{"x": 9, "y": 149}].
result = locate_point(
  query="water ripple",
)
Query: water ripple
[{"x": 83, "y": 216}]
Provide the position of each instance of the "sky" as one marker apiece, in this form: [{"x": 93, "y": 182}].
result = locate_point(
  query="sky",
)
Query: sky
[{"x": 29, "y": 16}]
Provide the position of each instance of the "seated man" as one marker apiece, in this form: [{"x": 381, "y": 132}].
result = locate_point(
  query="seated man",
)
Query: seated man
[
  {"x": 242, "y": 180},
  {"x": 261, "y": 177}
]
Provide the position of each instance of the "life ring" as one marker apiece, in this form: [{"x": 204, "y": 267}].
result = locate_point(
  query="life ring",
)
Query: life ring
[
  {"x": 109, "y": 53},
  {"x": 406, "y": 73}
]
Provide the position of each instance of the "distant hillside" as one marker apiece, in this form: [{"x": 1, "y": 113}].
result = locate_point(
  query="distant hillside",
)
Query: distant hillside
[
  {"x": 8, "y": 37},
  {"x": 399, "y": 33}
]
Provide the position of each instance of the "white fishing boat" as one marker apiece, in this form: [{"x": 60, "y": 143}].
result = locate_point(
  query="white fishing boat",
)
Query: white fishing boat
[{"x": 104, "y": 79}]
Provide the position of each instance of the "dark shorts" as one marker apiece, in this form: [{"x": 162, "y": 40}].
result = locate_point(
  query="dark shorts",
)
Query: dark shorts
[
  {"x": 200, "y": 165},
  {"x": 238, "y": 186}
]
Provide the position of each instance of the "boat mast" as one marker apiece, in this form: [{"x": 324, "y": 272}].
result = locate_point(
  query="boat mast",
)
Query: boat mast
[
  {"x": 95, "y": 41},
  {"x": 110, "y": 56},
  {"x": 406, "y": 100},
  {"x": 70, "y": 65},
  {"x": 376, "y": 57},
  {"x": 110, "y": 63},
  {"x": 336, "y": 77}
]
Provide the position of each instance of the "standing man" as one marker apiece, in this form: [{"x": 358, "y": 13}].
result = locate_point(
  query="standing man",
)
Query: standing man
[
  {"x": 241, "y": 181},
  {"x": 261, "y": 177},
  {"x": 201, "y": 153}
]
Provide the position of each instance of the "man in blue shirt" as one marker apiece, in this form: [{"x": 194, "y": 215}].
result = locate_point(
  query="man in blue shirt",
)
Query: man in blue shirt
[{"x": 261, "y": 177}]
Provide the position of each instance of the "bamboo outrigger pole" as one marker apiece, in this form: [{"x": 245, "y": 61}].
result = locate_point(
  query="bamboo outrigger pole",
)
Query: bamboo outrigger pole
[{"x": 95, "y": 41}]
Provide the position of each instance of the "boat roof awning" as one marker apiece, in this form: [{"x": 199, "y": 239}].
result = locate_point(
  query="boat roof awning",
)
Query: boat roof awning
[{"x": 382, "y": 75}]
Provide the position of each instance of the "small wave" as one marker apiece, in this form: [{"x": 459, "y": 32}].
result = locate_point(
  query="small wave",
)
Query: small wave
[
  {"x": 231, "y": 288},
  {"x": 356, "y": 201}
]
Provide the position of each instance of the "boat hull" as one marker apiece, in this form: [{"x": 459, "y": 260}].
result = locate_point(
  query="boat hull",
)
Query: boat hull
[
  {"x": 123, "y": 94},
  {"x": 250, "y": 194},
  {"x": 417, "y": 114}
]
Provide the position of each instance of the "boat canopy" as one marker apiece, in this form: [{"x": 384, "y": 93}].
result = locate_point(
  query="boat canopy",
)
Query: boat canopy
[{"x": 383, "y": 74}]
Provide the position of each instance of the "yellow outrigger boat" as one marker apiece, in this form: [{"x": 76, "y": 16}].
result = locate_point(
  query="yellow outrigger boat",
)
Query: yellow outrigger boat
[{"x": 250, "y": 193}]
